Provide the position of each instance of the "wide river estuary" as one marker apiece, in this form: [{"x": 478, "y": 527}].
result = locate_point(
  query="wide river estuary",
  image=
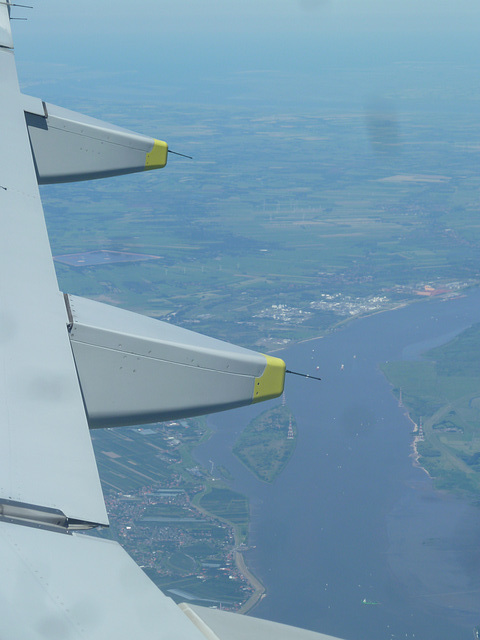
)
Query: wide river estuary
[{"x": 351, "y": 518}]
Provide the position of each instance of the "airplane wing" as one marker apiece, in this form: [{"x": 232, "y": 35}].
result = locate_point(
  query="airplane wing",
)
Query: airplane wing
[{"x": 56, "y": 352}]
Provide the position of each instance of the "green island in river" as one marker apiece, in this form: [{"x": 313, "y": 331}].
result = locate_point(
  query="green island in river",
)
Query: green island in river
[
  {"x": 442, "y": 395},
  {"x": 267, "y": 443}
]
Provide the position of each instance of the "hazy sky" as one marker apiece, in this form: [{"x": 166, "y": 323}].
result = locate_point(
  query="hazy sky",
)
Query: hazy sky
[
  {"x": 254, "y": 16},
  {"x": 127, "y": 21},
  {"x": 194, "y": 42}
]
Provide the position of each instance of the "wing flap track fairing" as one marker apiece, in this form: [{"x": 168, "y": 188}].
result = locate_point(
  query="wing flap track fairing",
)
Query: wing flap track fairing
[{"x": 69, "y": 146}]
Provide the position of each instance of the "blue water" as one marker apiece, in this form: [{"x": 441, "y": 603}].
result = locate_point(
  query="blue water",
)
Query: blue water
[{"x": 351, "y": 517}]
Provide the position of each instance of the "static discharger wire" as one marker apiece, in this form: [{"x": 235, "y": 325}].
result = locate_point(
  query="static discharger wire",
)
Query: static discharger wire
[
  {"x": 303, "y": 375},
  {"x": 180, "y": 154},
  {"x": 12, "y": 4}
]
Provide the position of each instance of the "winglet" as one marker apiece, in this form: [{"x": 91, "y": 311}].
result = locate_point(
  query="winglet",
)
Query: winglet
[
  {"x": 157, "y": 158},
  {"x": 271, "y": 382},
  {"x": 69, "y": 146}
]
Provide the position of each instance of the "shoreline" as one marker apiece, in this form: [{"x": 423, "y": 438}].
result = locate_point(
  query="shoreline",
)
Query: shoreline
[
  {"x": 416, "y": 439},
  {"x": 259, "y": 590},
  {"x": 341, "y": 323}
]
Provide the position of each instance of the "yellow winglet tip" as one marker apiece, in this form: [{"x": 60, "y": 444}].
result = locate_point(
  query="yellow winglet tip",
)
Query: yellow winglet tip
[
  {"x": 270, "y": 384},
  {"x": 157, "y": 158}
]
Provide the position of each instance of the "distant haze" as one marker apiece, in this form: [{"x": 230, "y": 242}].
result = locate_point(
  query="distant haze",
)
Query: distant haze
[
  {"x": 91, "y": 23},
  {"x": 181, "y": 16},
  {"x": 312, "y": 53}
]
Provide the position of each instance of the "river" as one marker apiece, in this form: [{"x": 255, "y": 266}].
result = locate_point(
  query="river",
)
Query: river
[{"x": 351, "y": 517}]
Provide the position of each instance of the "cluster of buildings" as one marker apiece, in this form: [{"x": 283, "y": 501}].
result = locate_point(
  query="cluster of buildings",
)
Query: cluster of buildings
[
  {"x": 159, "y": 525},
  {"x": 347, "y": 306}
]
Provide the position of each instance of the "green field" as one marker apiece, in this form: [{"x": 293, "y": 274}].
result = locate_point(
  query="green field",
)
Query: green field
[
  {"x": 230, "y": 507},
  {"x": 240, "y": 230},
  {"x": 264, "y": 446},
  {"x": 129, "y": 459},
  {"x": 442, "y": 394},
  {"x": 208, "y": 592}
]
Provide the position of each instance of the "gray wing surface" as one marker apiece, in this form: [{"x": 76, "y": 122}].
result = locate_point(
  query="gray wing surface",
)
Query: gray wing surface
[
  {"x": 57, "y": 583},
  {"x": 237, "y": 627},
  {"x": 57, "y": 586},
  {"x": 134, "y": 370},
  {"x": 44, "y": 435},
  {"x": 68, "y": 146}
]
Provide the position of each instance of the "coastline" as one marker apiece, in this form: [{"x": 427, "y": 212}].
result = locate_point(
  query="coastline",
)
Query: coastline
[
  {"x": 259, "y": 590},
  {"x": 342, "y": 323},
  {"x": 394, "y": 306},
  {"x": 416, "y": 439}
]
